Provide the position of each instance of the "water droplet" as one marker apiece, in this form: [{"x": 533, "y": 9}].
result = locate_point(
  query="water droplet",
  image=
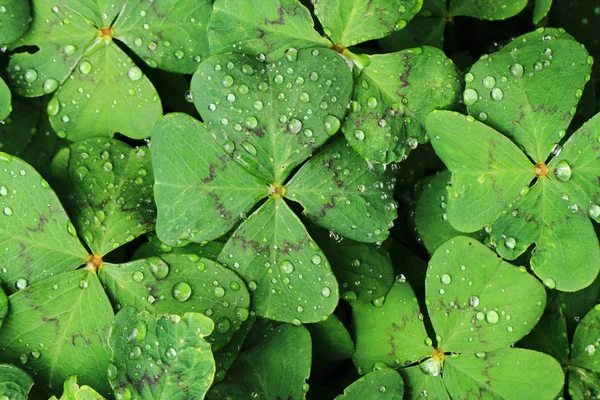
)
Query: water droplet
[
  {"x": 134, "y": 73},
  {"x": 158, "y": 267},
  {"x": 85, "y": 67},
  {"x": 473, "y": 301},
  {"x": 325, "y": 291},
  {"x": 30, "y": 75},
  {"x": 593, "y": 212},
  {"x": 181, "y": 291},
  {"x": 516, "y": 70},
  {"x": 492, "y": 317},
  {"x": 332, "y": 124},
  {"x": 71, "y": 229},
  {"x": 50, "y": 86},
  {"x": 189, "y": 96},
  {"x": 497, "y": 94},
  {"x": 286, "y": 267},
  {"x": 21, "y": 283},
  {"x": 359, "y": 135},
  {"x": 469, "y": 77},
  {"x": 590, "y": 350},
  {"x": 430, "y": 367},
  {"x": 251, "y": 122},
  {"x": 316, "y": 259},
  {"x": 278, "y": 79},
  {"x": 137, "y": 276},
  {"x": 510, "y": 242},
  {"x": 3, "y": 191},
  {"x": 371, "y": 103},
  {"x": 291, "y": 55},
  {"x": 250, "y": 149},
  {"x": 223, "y": 325},
  {"x": 227, "y": 81},
  {"x": 563, "y": 171},
  {"x": 549, "y": 282},
  {"x": 489, "y": 82},
  {"x": 378, "y": 302},
  {"x": 470, "y": 97},
  {"x": 304, "y": 97},
  {"x": 446, "y": 279},
  {"x": 8, "y": 211},
  {"x": 295, "y": 125}
]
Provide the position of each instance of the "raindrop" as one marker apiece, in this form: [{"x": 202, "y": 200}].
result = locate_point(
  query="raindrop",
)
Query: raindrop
[
  {"x": 492, "y": 317},
  {"x": 516, "y": 70},
  {"x": 446, "y": 279},
  {"x": 219, "y": 292},
  {"x": 470, "y": 97},
  {"x": 325, "y": 291},
  {"x": 510, "y": 242},
  {"x": 590, "y": 350},
  {"x": 134, "y": 73},
  {"x": 473, "y": 301},
  {"x": 304, "y": 97},
  {"x": 227, "y": 81},
  {"x": 250, "y": 149},
  {"x": 295, "y": 125},
  {"x": 21, "y": 284},
  {"x": 549, "y": 282},
  {"x": 251, "y": 122},
  {"x": 137, "y": 276},
  {"x": 316, "y": 259},
  {"x": 50, "y": 86},
  {"x": 286, "y": 267},
  {"x": 181, "y": 291},
  {"x": 563, "y": 171},
  {"x": 3, "y": 191},
  {"x": 30, "y": 75},
  {"x": 8, "y": 211},
  {"x": 371, "y": 102},
  {"x": 332, "y": 124},
  {"x": 497, "y": 94},
  {"x": 158, "y": 267},
  {"x": 85, "y": 67},
  {"x": 593, "y": 212},
  {"x": 489, "y": 82},
  {"x": 359, "y": 135},
  {"x": 430, "y": 367}
]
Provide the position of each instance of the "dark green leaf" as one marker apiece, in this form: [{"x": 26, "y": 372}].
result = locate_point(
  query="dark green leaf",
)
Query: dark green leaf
[
  {"x": 107, "y": 189},
  {"x": 487, "y": 9},
  {"x": 392, "y": 97},
  {"x": 271, "y": 117},
  {"x": 14, "y": 20},
  {"x": 530, "y": 88},
  {"x": 36, "y": 236},
  {"x": 340, "y": 192},
  {"x": 58, "y": 328},
  {"x": 225, "y": 357},
  {"x": 541, "y": 10},
  {"x": 200, "y": 192},
  {"x": 289, "y": 276},
  {"x": 363, "y": 270},
  {"x": 476, "y": 301},
  {"x": 585, "y": 342},
  {"x": 349, "y": 22},
  {"x": 331, "y": 340},
  {"x": 389, "y": 330},
  {"x": 5, "y": 100},
  {"x": 277, "y": 367},
  {"x": 384, "y": 383},
  {"x": 267, "y": 27},
  {"x": 14, "y": 383},
  {"x": 168, "y": 35},
  {"x": 419, "y": 385},
  {"x": 160, "y": 357},
  {"x": 176, "y": 284}
]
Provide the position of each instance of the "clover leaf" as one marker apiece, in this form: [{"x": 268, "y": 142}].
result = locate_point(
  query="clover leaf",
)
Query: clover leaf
[
  {"x": 5, "y": 100},
  {"x": 525, "y": 201},
  {"x": 276, "y": 367},
  {"x": 384, "y": 383},
  {"x": 478, "y": 306},
  {"x": 14, "y": 20},
  {"x": 385, "y": 113},
  {"x": 72, "y": 391},
  {"x": 160, "y": 356},
  {"x": 59, "y": 318},
  {"x": 244, "y": 154},
  {"x": 14, "y": 383},
  {"x": 98, "y": 87}
]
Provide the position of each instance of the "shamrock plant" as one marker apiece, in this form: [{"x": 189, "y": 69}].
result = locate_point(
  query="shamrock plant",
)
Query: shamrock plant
[
  {"x": 392, "y": 92},
  {"x": 14, "y": 20},
  {"x": 255, "y": 114},
  {"x": 60, "y": 316},
  {"x": 96, "y": 85},
  {"x": 522, "y": 183},
  {"x": 478, "y": 305}
]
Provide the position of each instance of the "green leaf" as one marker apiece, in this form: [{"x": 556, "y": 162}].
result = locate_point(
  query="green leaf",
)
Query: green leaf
[
  {"x": 418, "y": 385},
  {"x": 27, "y": 134},
  {"x": 388, "y": 115},
  {"x": 425, "y": 29},
  {"x": 340, "y": 192},
  {"x": 104, "y": 92},
  {"x": 503, "y": 374},
  {"x": 541, "y": 10},
  {"x": 14, "y": 383},
  {"x": 61, "y": 45},
  {"x": 289, "y": 276},
  {"x": 585, "y": 342},
  {"x": 583, "y": 383},
  {"x": 487, "y": 9},
  {"x": 58, "y": 328},
  {"x": 331, "y": 340},
  {"x": 384, "y": 383},
  {"x": 36, "y": 236},
  {"x": 271, "y": 117},
  {"x": 579, "y": 156},
  {"x": 487, "y": 175},
  {"x": 363, "y": 270},
  {"x": 72, "y": 391},
  {"x": 154, "y": 247},
  {"x": 566, "y": 250},
  {"x": 14, "y": 20},
  {"x": 530, "y": 88},
  {"x": 430, "y": 213},
  {"x": 200, "y": 192},
  {"x": 476, "y": 301},
  {"x": 225, "y": 357},
  {"x": 267, "y": 27},
  {"x": 176, "y": 284},
  {"x": 277, "y": 367},
  {"x": 390, "y": 330},
  {"x": 169, "y": 35},
  {"x": 349, "y": 22},
  {"x": 5, "y": 101},
  {"x": 107, "y": 189},
  {"x": 3, "y": 305},
  {"x": 160, "y": 357}
]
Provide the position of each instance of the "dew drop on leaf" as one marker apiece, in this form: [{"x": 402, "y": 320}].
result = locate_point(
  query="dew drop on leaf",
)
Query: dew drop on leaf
[
  {"x": 563, "y": 171},
  {"x": 470, "y": 97},
  {"x": 492, "y": 317},
  {"x": 181, "y": 291}
]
